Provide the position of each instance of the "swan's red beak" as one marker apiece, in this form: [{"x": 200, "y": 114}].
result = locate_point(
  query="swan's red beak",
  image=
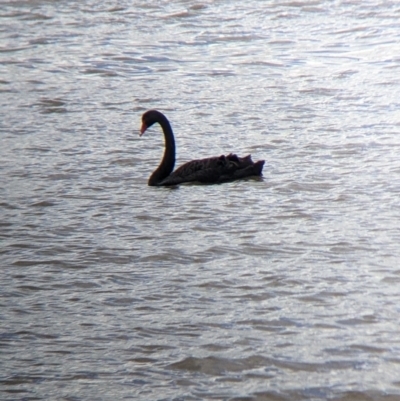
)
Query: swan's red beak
[{"x": 143, "y": 129}]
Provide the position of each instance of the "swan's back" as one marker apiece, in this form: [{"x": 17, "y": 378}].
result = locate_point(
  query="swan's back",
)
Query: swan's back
[{"x": 215, "y": 170}]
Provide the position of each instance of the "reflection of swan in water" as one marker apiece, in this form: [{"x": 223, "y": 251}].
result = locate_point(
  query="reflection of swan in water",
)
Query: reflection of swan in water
[{"x": 212, "y": 170}]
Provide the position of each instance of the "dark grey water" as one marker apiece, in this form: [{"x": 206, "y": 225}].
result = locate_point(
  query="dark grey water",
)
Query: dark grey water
[{"x": 285, "y": 288}]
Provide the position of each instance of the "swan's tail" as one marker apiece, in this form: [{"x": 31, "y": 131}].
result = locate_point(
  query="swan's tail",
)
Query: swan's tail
[
  {"x": 258, "y": 166},
  {"x": 255, "y": 169}
]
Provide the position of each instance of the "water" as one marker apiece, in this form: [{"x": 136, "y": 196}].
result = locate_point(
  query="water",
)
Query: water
[{"x": 284, "y": 288}]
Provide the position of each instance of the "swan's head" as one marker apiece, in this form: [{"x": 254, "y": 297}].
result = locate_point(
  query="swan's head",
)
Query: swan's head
[{"x": 148, "y": 119}]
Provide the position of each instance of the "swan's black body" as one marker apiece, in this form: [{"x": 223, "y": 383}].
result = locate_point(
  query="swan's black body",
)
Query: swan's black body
[{"x": 212, "y": 170}]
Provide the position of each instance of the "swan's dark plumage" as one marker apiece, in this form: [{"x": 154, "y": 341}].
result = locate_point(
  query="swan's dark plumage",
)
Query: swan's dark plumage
[{"x": 212, "y": 170}]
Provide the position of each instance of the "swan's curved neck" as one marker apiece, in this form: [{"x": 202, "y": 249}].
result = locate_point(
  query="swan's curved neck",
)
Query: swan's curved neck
[{"x": 168, "y": 161}]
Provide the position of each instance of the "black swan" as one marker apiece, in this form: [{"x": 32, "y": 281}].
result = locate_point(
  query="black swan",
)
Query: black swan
[{"x": 212, "y": 170}]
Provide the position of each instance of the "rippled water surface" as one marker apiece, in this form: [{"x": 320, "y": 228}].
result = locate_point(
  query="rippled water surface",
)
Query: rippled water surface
[{"x": 284, "y": 288}]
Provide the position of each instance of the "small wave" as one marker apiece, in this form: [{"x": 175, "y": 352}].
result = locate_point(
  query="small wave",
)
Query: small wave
[
  {"x": 213, "y": 365},
  {"x": 43, "y": 204},
  {"x": 179, "y": 14}
]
